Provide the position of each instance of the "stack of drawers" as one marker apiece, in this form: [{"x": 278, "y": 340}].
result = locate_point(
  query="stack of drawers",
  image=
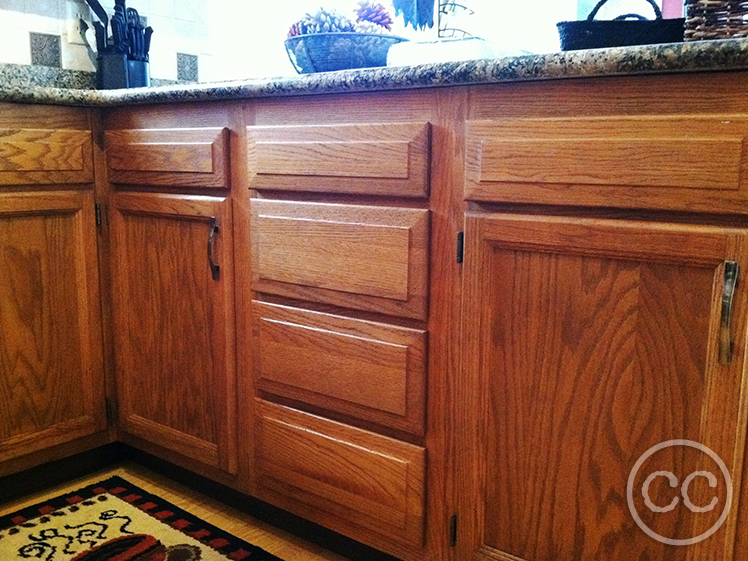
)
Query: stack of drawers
[{"x": 339, "y": 323}]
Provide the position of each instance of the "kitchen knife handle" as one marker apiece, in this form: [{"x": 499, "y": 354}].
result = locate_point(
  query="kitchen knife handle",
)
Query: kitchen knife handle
[
  {"x": 215, "y": 268},
  {"x": 147, "y": 41}
]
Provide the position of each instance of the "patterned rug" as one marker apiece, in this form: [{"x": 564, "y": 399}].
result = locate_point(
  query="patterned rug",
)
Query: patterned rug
[{"x": 114, "y": 520}]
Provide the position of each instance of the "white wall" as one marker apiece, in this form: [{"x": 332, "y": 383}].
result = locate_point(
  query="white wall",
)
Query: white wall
[{"x": 248, "y": 35}]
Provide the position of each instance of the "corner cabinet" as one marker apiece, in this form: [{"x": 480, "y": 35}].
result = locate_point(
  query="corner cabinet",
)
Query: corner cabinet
[
  {"x": 173, "y": 304},
  {"x": 52, "y": 382}
]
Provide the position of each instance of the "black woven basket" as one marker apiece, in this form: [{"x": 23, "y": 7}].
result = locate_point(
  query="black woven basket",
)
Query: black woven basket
[{"x": 627, "y": 29}]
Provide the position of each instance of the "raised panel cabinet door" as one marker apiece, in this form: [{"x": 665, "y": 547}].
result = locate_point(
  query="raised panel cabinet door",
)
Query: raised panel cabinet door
[
  {"x": 601, "y": 410},
  {"x": 51, "y": 357},
  {"x": 173, "y": 320}
]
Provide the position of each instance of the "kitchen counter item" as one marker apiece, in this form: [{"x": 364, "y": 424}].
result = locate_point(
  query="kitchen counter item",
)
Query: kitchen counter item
[
  {"x": 324, "y": 52},
  {"x": 445, "y": 50},
  {"x": 627, "y": 29},
  {"x": 715, "y": 19}
]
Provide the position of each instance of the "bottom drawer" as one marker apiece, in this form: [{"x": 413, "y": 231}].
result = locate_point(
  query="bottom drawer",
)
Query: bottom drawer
[{"x": 347, "y": 479}]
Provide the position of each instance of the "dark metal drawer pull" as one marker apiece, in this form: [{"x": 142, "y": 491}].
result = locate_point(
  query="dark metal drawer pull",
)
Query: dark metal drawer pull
[
  {"x": 215, "y": 268},
  {"x": 732, "y": 270}
]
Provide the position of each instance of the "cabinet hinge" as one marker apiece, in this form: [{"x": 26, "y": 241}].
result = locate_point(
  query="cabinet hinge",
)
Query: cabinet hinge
[
  {"x": 453, "y": 531},
  {"x": 460, "y": 246},
  {"x": 97, "y": 210}
]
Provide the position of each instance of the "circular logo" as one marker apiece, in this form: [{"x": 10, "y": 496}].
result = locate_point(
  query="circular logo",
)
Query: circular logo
[{"x": 673, "y": 481}]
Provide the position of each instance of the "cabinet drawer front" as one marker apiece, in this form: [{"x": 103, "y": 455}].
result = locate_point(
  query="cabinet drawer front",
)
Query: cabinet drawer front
[
  {"x": 376, "y": 159},
  {"x": 689, "y": 163},
  {"x": 369, "y": 370},
  {"x": 370, "y": 258},
  {"x": 45, "y": 156},
  {"x": 169, "y": 157},
  {"x": 344, "y": 477}
]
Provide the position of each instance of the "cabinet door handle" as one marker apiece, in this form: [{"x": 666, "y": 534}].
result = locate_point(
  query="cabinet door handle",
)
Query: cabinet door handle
[
  {"x": 215, "y": 268},
  {"x": 732, "y": 270}
]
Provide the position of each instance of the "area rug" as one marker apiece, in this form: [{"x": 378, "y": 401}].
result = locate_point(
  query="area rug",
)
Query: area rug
[{"x": 114, "y": 520}]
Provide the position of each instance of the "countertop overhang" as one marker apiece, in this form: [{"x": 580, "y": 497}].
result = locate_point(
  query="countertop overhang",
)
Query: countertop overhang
[{"x": 700, "y": 56}]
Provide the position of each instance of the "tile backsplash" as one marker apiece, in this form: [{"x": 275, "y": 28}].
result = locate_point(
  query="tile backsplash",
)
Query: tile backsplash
[
  {"x": 45, "y": 49},
  {"x": 32, "y": 29}
]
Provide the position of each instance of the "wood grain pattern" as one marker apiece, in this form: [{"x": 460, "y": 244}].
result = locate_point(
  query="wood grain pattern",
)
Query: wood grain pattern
[
  {"x": 642, "y": 95},
  {"x": 631, "y": 161},
  {"x": 347, "y": 476},
  {"x": 173, "y": 325},
  {"x": 45, "y": 156},
  {"x": 187, "y": 157},
  {"x": 579, "y": 362},
  {"x": 372, "y": 371},
  {"x": 51, "y": 357},
  {"x": 373, "y": 158},
  {"x": 445, "y": 308},
  {"x": 370, "y": 258}
]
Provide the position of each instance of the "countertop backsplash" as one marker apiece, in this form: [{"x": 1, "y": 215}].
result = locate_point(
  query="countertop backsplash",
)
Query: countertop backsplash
[{"x": 39, "y": 34}]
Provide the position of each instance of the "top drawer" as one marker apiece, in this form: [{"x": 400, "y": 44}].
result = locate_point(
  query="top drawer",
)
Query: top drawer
[
  {"x": 45, "y": 156},
  {"x": 680, "y": 163},
  {"x": 196, "y": 157},
  {"x": 375, "y": 159}
]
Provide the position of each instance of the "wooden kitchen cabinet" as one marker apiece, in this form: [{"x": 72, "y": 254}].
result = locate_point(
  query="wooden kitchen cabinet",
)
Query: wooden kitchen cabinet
[
  {"x": 173, "y": 301},
  {"x": 51, "y": 350},
  {"x": 345, "y": 364},
  {"x": 340, "y": 256},
  {"x": 352, "y": 480},
  {"x": 367, "y": 370},
  {"x": 586, "y": 342},
  {"x": 175, "y": 157},
  {"x": 387, "y": 159},
  {"x": 52, "y": 372},
  {"x": 677, "y": 162},
  {"x": 363, "y": 257}
]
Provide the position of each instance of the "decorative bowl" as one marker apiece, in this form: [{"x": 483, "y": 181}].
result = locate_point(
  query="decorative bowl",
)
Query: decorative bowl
[{"x": 325, "y": 52}]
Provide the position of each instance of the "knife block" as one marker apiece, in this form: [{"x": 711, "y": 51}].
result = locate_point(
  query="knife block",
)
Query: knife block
[
  {"x": 111, "y": 71},
  {"x": 138, "y": 74},
  {"x": 115, "y": 71}
]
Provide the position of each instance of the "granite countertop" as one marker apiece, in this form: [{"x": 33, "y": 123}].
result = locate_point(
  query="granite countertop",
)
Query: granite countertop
[{"x": 728, "y": 54}]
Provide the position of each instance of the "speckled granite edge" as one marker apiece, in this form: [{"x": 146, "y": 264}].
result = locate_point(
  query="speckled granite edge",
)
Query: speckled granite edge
[
  {"x": 29, "y": 76},
  {"x": 730, "y": 54}
]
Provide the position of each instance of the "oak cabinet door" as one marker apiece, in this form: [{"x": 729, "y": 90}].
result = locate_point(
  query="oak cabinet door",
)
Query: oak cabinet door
[
  {"x": 587, "y": 343},
  {"x": 173, "y": 319},
  {"x": 51, "y": 358}
]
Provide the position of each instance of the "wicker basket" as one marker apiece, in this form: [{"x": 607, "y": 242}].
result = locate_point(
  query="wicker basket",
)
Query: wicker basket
[{"x": 716, "y": 19}]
